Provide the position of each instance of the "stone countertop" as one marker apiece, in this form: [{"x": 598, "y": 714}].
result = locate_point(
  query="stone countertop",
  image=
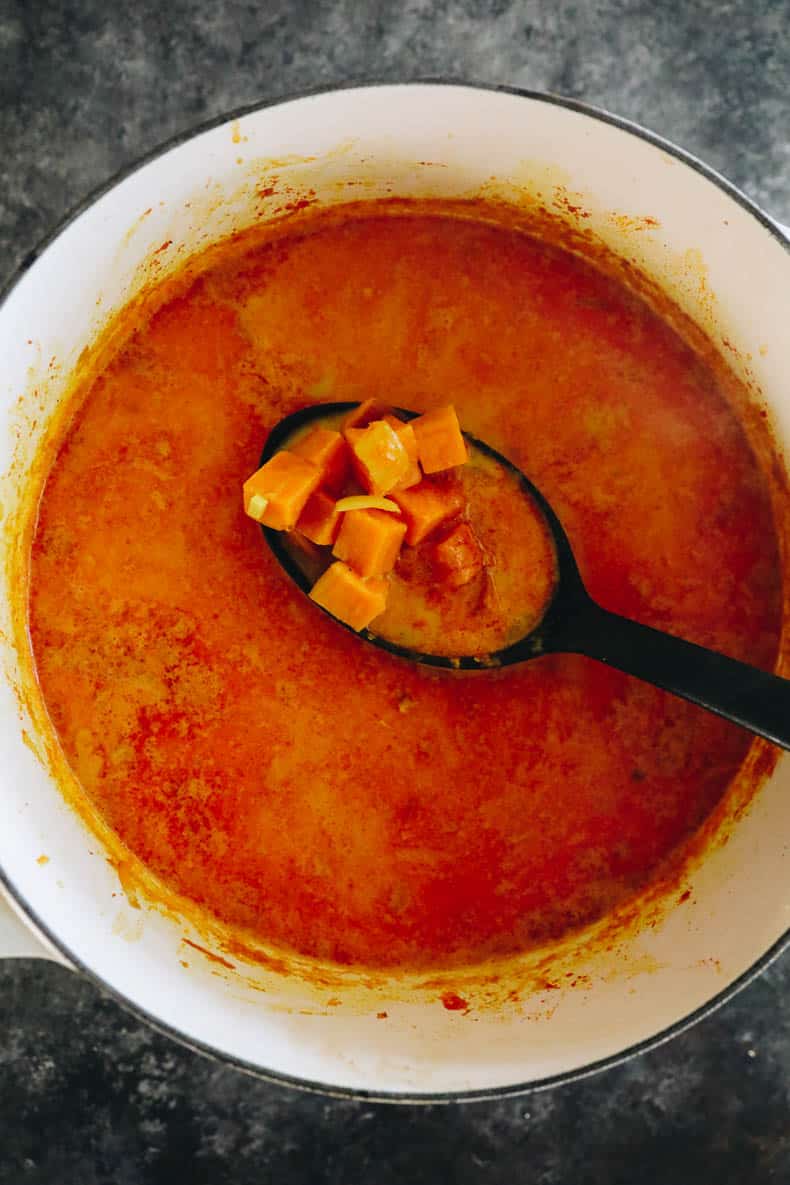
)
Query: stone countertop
[{"x": 90, "y": 1096}]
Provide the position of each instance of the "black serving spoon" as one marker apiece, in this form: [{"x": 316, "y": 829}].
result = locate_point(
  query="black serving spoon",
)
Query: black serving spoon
[{"x": 573, "y": 623}]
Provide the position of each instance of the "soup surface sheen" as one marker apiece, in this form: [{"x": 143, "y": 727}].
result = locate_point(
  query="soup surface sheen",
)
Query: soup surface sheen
[{"x": 294, "y": 781}]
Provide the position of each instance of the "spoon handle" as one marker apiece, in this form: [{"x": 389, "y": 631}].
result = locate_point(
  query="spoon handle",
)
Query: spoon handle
[{"x": 739, "y": 692}]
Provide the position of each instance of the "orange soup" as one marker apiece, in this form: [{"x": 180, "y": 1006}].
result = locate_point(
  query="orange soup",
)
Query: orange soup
[{"x": 325, "y": 796}]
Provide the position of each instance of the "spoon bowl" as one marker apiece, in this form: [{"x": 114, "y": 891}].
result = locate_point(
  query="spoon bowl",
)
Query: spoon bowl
[{"x": 572, "y": 622}]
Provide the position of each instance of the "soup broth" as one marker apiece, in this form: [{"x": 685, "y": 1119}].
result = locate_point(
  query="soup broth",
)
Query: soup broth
[{"x": 326, "y": 796}]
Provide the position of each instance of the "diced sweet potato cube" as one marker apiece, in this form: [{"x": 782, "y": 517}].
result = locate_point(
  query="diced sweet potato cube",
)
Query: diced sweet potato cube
[
  {"x": 405, "y": 432},
  {"x": 379, "y": 456},
  {"x": 414, "y": 473},
  {"x": 458, "y": 556},
  {"x": 276, "y": 494},
  {"x": 366, "y": 413},
  {"x": 319, "y": 520},
  {"x": 440, "y": 444},
  {"x": 369, "y": 540},
  {"x": 328, "y": 451},
  {"x": 349, "y": 597},
  {"x": 425, "y": 507},
  {"x": 306, "y": 549}
]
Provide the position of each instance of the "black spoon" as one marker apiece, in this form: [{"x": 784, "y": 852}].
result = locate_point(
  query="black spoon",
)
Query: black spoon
[{"x": 573, "y": 623}]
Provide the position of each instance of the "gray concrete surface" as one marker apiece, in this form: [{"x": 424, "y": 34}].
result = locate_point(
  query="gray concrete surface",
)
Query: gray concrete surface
[{"x": 89, "y": 1096}]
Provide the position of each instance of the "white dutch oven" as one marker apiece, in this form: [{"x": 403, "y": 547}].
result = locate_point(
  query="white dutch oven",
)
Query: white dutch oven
[{"x": 727, "y": 265}]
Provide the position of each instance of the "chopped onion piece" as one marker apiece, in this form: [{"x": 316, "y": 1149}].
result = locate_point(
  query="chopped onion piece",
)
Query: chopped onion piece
[{"x": 366, "y": 502}]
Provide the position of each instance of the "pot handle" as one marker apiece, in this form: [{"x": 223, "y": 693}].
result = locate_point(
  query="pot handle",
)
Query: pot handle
[{"x": 19, "y": 939}]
